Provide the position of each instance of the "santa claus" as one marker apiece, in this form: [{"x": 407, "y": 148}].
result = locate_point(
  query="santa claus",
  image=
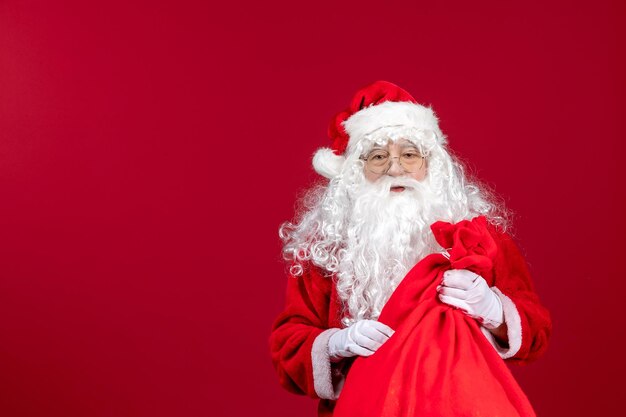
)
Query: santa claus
[{"x": 405, "y": 293}]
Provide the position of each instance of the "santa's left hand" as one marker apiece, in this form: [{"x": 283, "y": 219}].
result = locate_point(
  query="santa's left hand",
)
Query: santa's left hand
[{"x": 469, "y": 292}]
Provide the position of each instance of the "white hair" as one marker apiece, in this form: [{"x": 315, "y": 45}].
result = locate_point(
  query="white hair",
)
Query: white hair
[{"x": 369, "y": 239}]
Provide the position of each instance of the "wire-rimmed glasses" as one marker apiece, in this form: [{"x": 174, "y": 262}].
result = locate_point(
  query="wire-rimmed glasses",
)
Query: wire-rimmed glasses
[{"x": 379, "y": 161}]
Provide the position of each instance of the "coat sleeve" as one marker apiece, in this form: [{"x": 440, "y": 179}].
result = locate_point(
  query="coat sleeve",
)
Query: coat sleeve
[
  {"x": 299, "y": 338},
  {"x": 528, "y": 322}
]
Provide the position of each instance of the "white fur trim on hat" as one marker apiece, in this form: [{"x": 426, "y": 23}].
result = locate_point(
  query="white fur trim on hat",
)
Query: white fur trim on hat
[
  {"x": 327, "y": 164},
  {"x": 391, "y": 113}
]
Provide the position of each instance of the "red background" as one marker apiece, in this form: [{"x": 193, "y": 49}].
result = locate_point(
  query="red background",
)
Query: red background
[{"x": 149, "y": 152}]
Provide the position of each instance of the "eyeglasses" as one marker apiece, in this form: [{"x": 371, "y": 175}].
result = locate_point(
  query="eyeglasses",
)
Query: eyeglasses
[{"x": 379, "y": 161}]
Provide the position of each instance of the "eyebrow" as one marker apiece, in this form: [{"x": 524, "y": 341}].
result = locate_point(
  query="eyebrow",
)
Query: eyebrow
[{"x": 403, "y": 146}]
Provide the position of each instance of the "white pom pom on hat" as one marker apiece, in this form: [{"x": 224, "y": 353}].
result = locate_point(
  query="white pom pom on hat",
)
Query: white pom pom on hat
[
  {"x": 327, "y": 164},
  {"x": 378, "y": 105}
]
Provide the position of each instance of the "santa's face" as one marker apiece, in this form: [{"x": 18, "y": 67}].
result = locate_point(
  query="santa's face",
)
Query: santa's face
[{"x": 403, "y": 159}]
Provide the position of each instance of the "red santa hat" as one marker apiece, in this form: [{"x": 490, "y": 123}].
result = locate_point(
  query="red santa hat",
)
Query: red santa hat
[{"x": 376, "y": 106}]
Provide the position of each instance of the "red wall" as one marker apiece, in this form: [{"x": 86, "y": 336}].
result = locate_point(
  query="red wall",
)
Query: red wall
[{"x": 149, "y": 152}]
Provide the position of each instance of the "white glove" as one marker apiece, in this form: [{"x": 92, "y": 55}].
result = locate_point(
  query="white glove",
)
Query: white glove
[
  {"x": 363, "y": 338},
  {"x": 469, "y": 292}
]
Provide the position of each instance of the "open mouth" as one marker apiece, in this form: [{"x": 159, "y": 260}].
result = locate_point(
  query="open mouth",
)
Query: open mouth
[{"x": 397, "y": 189}]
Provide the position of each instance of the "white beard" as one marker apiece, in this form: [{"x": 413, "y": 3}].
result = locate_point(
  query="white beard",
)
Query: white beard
[{"x": 387, "y": 234}]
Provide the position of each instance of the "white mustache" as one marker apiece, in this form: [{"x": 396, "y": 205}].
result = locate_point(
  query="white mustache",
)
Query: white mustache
[{"x": 382, "y": 188}]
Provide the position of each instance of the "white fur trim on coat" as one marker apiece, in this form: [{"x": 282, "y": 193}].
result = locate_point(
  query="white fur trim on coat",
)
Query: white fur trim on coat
[
  {"x": 391, "y": 113},
  {"x": 322, "y": 376},
  {"x": 513, "y": 324},
  {"x": 327, "y": 164}
]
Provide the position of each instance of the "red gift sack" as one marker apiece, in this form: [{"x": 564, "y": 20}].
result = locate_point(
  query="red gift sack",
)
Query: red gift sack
[{"x": 438, "y": 362}]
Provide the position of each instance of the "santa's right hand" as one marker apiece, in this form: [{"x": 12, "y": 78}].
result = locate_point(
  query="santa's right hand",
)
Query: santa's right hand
[{"x": 363, "y": 338}]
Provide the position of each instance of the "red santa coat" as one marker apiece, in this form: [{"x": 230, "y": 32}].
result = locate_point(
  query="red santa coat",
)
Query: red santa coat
[{"x": 299, "y": 339}]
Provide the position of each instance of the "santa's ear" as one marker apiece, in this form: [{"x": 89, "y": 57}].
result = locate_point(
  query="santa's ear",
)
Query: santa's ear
[{"x": 327, "y": 164}]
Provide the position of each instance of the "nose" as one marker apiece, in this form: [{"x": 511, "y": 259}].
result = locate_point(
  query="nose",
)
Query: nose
[{"x": 395, "y": 169}]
